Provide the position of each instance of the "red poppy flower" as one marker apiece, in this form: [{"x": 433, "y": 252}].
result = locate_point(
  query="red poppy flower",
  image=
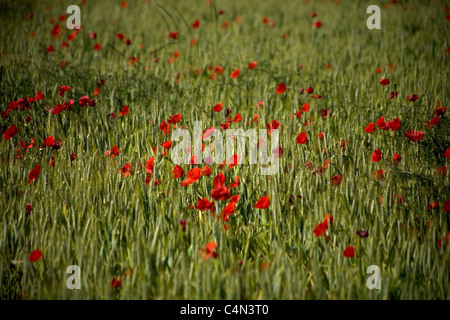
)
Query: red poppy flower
[
  {"x": 305, "y": 107},
  {"x": 125, "y": 170},
  {"x": 370, "y": 128},
  {"x": 302, "y": 138},
  {"x": 317, "y": 24},
  {"x": 196, "y": 24},
  {"x": 378, "y": 174},
  {"x": 277, "y": 152},
  {"x": 63, "y": 89},
  {"x": 55, "y": 31},
  {"x": 235, "y": 74},
  {"x": 101, "y": 83},
  {"x": 194, "y": 174},
  {"x": 218, "y": 107},
  {"x": 51, "y": 163},
  {"x": 150, "y": 165},
  {"x": 114, "y": 151},
  {"x": 36, "y": 255},
  {"x": 210, "y": 250},
  {"x": 173, "y": 35},
  {"x": 233, "y": 161},
  {"x": 395, "y": 124},
  {"x": 309, "y": 90},
  {"x": 447, "y": 153},
  {"x": 34, "y": 173},
  {"x": 377, "y": 155},
  {"x": 447, "y": 205},
  {"x": 10, "y": 132},
  {"x": 253, "y": 65},
  {"x": 219, "y": 180},
  {"x": 235, "y": 184},
  {"x": 237, "y": 118},
  {"x": 205, "y": 204},
  {"x": 98, "y": 46},
  {"x": 164, "y": 127},
  {"x": 125, "y": 110},
  {"x": 174, "y": 119},
  {"x": 432, "y": 122},
  {"x": 85, "y": 101},
  {"x": 349, "y": 252},
  {"x": 384, "y": 82},
  {"x": 320, "y": 229},
  {"x": 167, "y": 144},
  {"x": 132, "y": 61},
  {"x": 380, "y": 122},
  {"x": 281, "y": 88},
  {"x": 328, "y": 217},
  {"x": 272, "y": 126},
  {"x": 440, "y": 111},
  {"x": 28, "y": 209},
  {"x": 396, "y": 159},
  {"x": 193, "y": 160},
  {"x": 186, "y": 182},
  {"x": 116, "y": 283},
  {"x": 433, "y": 206},
  {"x": 51, "y": 142},
  {"x": 229, "y": 209},
  {"x": 362, "y": 233},
  {"x": 72, "y": 157},
  {"x": 441, "y": 171},
  {"x": 71, "y": 36},
  {"x": 412, "y": 98},
  {"x": 220, "y": 193},
  {"x": 336, "y": 180},
  {"x": 183, "y": 224},
  {"x": 262, "y": 203},
  {"x": 177, "y": 171},
  {"x": 414, "y": 136},
  {"x": 96, "y": 91},
  {"x": 393, "y": 95}
]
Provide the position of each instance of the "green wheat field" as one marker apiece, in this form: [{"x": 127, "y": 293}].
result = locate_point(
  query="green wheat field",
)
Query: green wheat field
[{"x": 89, "y": 182}]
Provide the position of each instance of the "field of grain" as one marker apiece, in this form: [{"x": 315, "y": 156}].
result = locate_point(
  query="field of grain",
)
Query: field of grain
[{"x": 87, "y": 176}]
